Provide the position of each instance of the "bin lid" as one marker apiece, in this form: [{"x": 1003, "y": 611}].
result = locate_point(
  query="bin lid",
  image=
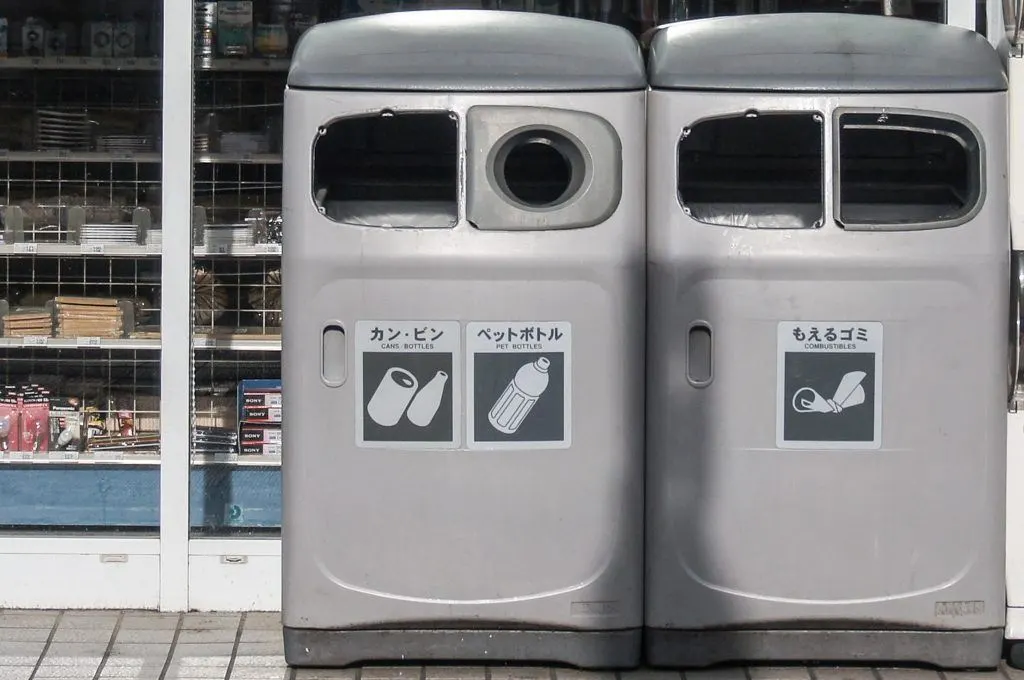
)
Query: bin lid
[
  {"x": 467, "y": 51},
  {"x": 819, "y": 52}
]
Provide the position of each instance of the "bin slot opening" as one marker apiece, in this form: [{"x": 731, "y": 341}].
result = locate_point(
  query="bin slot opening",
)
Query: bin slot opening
[
  {"x": 762, "y": 171},
  {"x": 539, "y": 168},
  {"x": 389, "y": 170},
  {"x": 906, "y": 169}
]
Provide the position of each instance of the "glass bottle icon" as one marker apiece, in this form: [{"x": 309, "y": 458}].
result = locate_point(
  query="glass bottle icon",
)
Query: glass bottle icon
[
  {"x": 427, "y": 401},
  {"x": 519, "y": 396}
]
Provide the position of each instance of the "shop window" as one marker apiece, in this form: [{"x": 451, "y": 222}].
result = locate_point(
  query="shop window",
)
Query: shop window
[
  {"x": 900, "y": 170},
  {"x": 389, "y": 170},
  {"x": 754, "y": 170}
]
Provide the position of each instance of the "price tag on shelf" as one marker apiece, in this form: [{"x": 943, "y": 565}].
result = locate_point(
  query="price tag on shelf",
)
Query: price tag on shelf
[
  {"x": 93, "y": 249},
  {"x": 221, "y": 249},
  {"x": 26, "y": 248},
  {"x": 35, "y": 341},
  {"x": 63, "y": 455},
  {"x": 89, "y": 342},
  {"x": 270, "y": 248},
  {"x": 108, "y": 456},
  {"x": 225, "y": 457},
  {"x": 21, "y": 455}
]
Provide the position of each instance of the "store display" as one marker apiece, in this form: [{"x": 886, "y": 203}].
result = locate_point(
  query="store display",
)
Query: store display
[
  {"x": 23, "y": 323},
  {"x": 88, "y": 317},
  {"x": 211, "y": 299},
  {"x": 234, "y": 28},
  {"x": 63, "y": 130},
  {"x": 214, "y": 441},
  {"x": 266, "y": 299},
  {"x": 33, "y": 420},
  {"x": 259, "y": 417}
]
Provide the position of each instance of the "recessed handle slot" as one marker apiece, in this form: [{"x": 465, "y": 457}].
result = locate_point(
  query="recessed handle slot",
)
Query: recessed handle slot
[
  {"x": 333, "y": 363},
  {"x": 699, "y": 355}
]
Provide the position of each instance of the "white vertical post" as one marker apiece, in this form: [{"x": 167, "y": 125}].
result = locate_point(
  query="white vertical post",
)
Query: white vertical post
[
  {"x": 175, "y": 313},
  {"x": 961, "y": 13},
  {"x": 1015, "y": 149}
]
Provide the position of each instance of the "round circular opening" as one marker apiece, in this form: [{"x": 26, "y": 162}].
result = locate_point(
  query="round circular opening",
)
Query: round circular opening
[
  {"x": 539, "y": 168},
  {"x": 403, "y": 378}
]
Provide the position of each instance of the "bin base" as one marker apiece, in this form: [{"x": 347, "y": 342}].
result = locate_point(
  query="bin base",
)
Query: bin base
[
  {"x": 583, "y": 649},
  {"x": 973, "y": 649}
]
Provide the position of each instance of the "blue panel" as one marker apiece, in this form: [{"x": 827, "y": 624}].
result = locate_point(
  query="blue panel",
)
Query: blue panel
[
  {"x": 80, "y": 496},
  {"x": 232, "y": 499}
]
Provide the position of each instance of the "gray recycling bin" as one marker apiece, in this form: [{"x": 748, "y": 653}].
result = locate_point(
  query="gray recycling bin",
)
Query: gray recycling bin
[
  {"x": 464, "y": 248},
  {"x": 828, "y": 248}
]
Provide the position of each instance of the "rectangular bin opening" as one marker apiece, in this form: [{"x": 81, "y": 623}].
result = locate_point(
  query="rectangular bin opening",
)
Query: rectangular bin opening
[
  {"x": 389, "y": 170},
  {"x": 760, "y": 171},
  {"x": 906, "y": 169}
]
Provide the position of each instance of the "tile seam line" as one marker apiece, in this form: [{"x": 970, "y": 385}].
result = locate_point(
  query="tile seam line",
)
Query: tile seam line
[
  {"x": 174, "y": 645},
  {"x": 46, "y": 647},
  {"x": 110, "y": 646},
  {"x": 234, "y": 647}
]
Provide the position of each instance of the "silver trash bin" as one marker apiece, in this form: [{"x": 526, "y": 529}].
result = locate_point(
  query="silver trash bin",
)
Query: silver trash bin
[
  {"x": 828, "y": 247},
  {"x": 464, "y": 257}
]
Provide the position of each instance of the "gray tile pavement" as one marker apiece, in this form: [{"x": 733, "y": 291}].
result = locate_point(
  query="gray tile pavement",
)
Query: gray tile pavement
[{"x": 76, "y": 645}]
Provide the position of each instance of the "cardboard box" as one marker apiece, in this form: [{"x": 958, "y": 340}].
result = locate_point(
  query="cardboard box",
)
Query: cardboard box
[
  {"x": 260, "y": 434},
  {"x": 260, "y": 449},
  {"x": 261, "y": 414}
]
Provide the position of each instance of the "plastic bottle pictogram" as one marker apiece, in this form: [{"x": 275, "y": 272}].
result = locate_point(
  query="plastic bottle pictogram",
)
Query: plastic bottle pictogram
[{"x": 520, "y": 396}]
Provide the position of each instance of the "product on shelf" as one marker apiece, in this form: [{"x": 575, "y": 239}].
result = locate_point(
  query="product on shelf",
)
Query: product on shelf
[
  {"x": 9, "y": 419},
  {"x": 266, "y": 299},
  {"x": 35, "y": 420},
  {"x": 134, "y": 444},
  {"x": 214, "y": 441},
  {"x": 3, "y": 36},
  {"x": 67, "y": 424},
  {"x": 259, "y": 417},
  {"x": 89, "y": 317},
  {"x": 211, "y": 300},
  {"x": 234, "y": 28},
  {"x": 23, "y": 323},
  {"x": 216, "y": 411},
  {"x": 260, "y": 440}
]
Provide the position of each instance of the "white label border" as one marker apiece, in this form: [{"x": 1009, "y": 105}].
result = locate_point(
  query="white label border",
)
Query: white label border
[
  {"x": 786, "y": 341},
  {"x": 475, "y": 344},
  {"x": 452, "y": 343}
]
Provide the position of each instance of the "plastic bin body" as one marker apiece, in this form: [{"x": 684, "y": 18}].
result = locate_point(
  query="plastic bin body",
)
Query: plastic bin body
[
  {"x": 459, "y": 550},
  {"x": 889, "y": 550}
]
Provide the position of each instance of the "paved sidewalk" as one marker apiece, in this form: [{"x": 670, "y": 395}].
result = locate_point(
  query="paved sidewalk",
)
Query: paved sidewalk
[{"x": 78, "y": 645}]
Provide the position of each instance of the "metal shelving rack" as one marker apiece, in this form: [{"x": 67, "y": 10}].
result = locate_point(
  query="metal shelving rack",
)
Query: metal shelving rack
[{"x": 80, "y": 277}]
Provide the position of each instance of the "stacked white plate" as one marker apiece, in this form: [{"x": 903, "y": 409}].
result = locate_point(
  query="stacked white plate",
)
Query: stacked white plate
[
  {"x": 63, "y": 130},
  {"x": 124, "y": 143},
  {"x": 230, "y": 235},
  {"x": 109, "y": 234}
]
